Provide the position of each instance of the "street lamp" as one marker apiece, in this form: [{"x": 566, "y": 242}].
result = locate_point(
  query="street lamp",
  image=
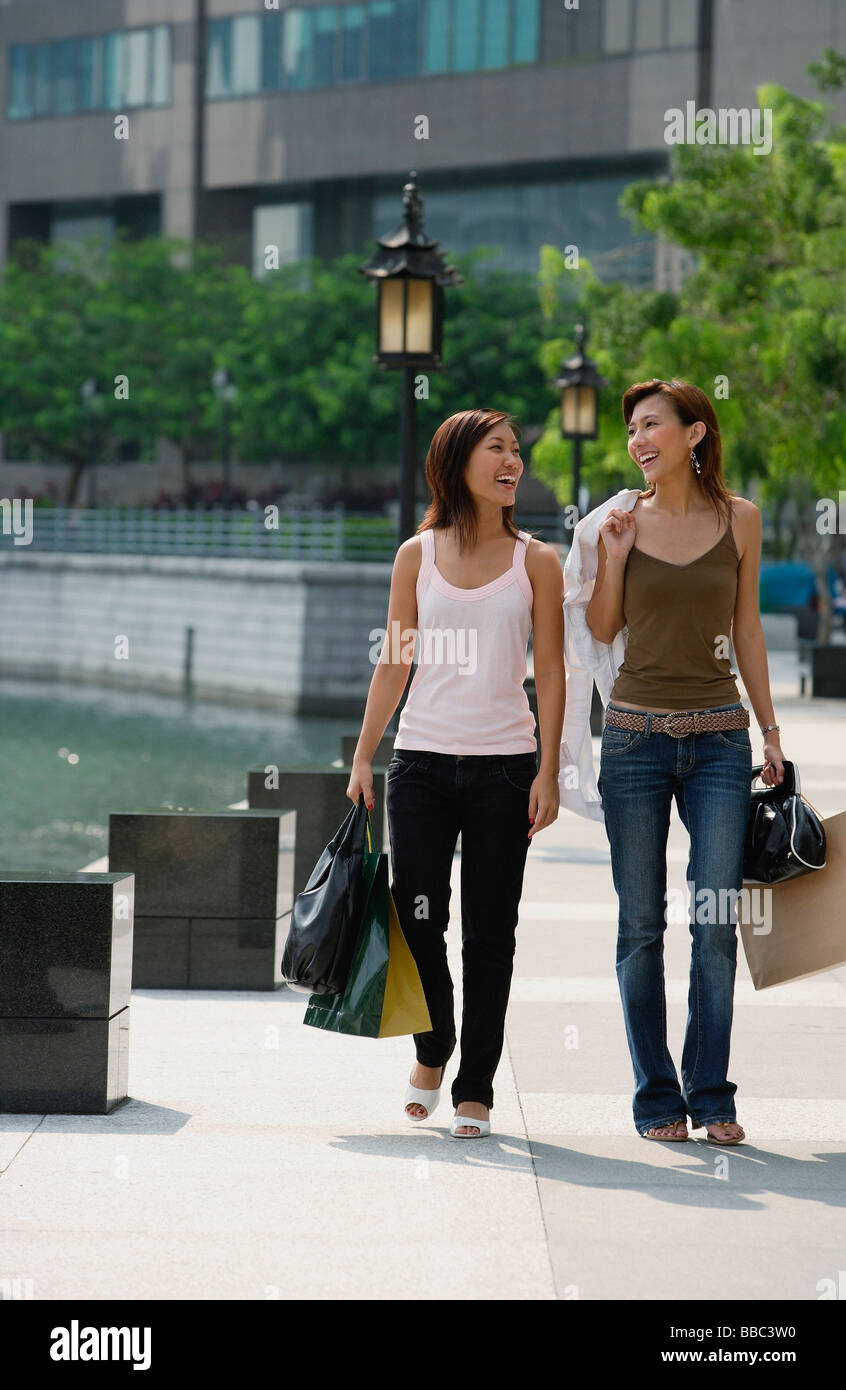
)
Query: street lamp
[
  {"x": 579, "y": 382},
  {"x": 225, "y": 389},
  {"x": 410, "y": 274}
]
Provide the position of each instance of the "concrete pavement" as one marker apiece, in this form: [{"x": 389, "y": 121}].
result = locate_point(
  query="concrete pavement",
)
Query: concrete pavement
[{"x": 259, "y": 1159}]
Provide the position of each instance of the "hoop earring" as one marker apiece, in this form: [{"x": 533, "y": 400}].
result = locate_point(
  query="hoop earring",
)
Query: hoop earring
[{"x": 694, "y": 462}]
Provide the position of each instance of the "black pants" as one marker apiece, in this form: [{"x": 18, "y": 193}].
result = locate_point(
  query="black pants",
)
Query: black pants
[{"x": 430, "y": 798}]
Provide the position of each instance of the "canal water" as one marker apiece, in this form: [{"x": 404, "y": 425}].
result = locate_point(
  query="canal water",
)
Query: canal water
[{"x": 72, "y": 754}]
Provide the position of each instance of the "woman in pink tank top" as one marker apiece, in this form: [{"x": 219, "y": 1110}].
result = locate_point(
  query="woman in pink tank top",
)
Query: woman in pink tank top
[{"x": 466, "y": 592}]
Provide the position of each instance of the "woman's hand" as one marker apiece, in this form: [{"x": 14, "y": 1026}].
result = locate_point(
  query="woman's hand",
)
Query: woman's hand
[
  {"x": 543, "y": 801},
  {"x": 361, "y": 780},
  {"x": 618, "y": 532},
  {"x": 773, "y": 770}
]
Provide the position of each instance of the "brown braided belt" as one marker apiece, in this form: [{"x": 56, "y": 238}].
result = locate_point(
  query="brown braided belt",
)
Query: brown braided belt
[{"x": 680, "y": 722}]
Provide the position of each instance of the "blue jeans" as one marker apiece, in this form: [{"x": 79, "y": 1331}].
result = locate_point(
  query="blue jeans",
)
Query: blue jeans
[
  {"x": 430, "y": 798},
  {"x": 710, "y": 776}
]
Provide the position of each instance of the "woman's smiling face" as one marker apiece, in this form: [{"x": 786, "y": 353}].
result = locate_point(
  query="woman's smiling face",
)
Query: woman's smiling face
[
  {"x": 495, "y": 459},
  {"x": 658, "y": 441}
]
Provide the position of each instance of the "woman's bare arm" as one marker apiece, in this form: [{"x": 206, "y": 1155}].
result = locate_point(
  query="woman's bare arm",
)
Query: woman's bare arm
[
  {"x": 747, "y": 635},
  {"x": 544, "y": 570},
  {"x": 390, "y": 676},
  {"x": 604, "y": 613}
]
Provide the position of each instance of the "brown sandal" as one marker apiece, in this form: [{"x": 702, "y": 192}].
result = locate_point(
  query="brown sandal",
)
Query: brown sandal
[
  {"x": 721, "y": 1124},
  {"x": 659, "y": 1132}
]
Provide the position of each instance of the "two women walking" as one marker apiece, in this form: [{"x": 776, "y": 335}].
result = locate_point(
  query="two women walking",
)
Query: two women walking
[{"x": 660, "y": 582}]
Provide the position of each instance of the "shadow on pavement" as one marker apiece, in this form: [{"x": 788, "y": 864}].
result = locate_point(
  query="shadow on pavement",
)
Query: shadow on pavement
[{"x": 693, "y": 1179}]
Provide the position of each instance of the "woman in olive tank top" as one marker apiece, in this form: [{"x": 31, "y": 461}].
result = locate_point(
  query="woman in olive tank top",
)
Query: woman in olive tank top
[{"x": 679, "y": 571}]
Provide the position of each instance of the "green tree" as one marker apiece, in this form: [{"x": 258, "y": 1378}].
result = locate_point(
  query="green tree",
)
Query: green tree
[
  {"x": 618, "y": 316},
  {"x": 163, "y": 314},
  {"x": 316, "y": 395},
  {"x": 152, "y": 312}
]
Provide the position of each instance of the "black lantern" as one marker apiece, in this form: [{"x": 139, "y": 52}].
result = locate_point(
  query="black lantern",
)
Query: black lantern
[
  {"x": 579, "y": 383},
  {"x": 410, "y": 274}
]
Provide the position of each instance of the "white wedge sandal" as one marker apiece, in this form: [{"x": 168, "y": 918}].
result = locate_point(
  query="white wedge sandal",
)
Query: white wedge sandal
[
  {"x": 464, "y": 1121},
  {"x": 427, "y": 1098}
]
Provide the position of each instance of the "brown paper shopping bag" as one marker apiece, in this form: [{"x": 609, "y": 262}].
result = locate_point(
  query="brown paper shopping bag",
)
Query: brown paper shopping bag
[{"x": 804, "y": 931}]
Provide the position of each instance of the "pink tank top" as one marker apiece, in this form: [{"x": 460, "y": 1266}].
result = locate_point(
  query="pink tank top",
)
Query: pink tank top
[{"x": 466, "y": 695}]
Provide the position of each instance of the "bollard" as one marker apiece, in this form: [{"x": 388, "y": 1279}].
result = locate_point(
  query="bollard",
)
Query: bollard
[
  {"x": 213, "y": 893},
  {"x": 65, "y": 978}
]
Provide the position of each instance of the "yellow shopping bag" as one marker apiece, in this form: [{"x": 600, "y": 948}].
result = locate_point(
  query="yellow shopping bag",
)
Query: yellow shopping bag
[{"x": 404, "y": 1008}]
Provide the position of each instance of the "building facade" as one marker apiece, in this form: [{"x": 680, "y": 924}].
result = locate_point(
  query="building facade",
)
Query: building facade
[{"x": 294, "y": 125}]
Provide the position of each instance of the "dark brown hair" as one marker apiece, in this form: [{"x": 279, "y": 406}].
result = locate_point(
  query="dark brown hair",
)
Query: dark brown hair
[
  {"x": 690, "y": 405},
  {"x": 452, "y": 502}
]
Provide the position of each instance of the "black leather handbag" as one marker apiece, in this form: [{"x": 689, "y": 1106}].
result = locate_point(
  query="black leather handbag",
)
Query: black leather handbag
[
  {"x": 784, "y": 834},
  {"x": 326, "y": 916}
]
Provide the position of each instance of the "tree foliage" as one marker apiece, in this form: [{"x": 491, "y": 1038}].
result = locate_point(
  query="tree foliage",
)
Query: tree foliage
[{"x": 163, "y": 314}]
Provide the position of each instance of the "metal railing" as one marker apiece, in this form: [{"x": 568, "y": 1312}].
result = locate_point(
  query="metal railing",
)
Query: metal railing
[{"x": 297, "y": 533}]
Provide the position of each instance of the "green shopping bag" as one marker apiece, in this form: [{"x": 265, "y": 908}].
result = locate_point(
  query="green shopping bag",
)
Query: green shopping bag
[{"x": 384, "y": 996}]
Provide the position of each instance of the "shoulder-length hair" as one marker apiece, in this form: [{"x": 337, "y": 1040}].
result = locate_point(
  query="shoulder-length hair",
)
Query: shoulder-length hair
[
  {"x": 690, "y": 405},
  {"x": 452, "y": 503}
]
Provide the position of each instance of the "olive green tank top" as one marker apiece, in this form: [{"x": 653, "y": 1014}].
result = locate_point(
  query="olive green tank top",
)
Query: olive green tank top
[{"x": 679, "y": 623}]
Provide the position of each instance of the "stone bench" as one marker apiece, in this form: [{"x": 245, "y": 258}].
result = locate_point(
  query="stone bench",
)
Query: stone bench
[
  {"x": 213, "y": 893},
  {"x": 65, "y": 980}
]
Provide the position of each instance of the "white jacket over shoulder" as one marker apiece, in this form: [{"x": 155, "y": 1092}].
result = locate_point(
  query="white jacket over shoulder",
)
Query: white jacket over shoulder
[{"x": 587, "y": 661}]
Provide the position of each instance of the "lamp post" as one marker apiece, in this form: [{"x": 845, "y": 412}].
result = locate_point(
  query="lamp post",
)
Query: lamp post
[
  {"x": 410, "y": 274},
  {"x": 225, "y": 389},
  {"x": 92, "y": 403},
  {"x": 579, "y": 382}
]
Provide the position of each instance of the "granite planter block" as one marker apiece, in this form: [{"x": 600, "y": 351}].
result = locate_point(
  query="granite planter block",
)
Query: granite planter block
[
  {"x": 160, "y": 958},
  {"x": 828, "y": 671},
  {"x": 63, "y": 1066},
  {"x": 65, "y": 980},
  {"x": 65, "y": 944},
  {"x": 319, "y": 796},
  {"x": 230, "y": 953},
  {"x": 213, "y": 894},
  {"x": 206, "y": 863}
]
